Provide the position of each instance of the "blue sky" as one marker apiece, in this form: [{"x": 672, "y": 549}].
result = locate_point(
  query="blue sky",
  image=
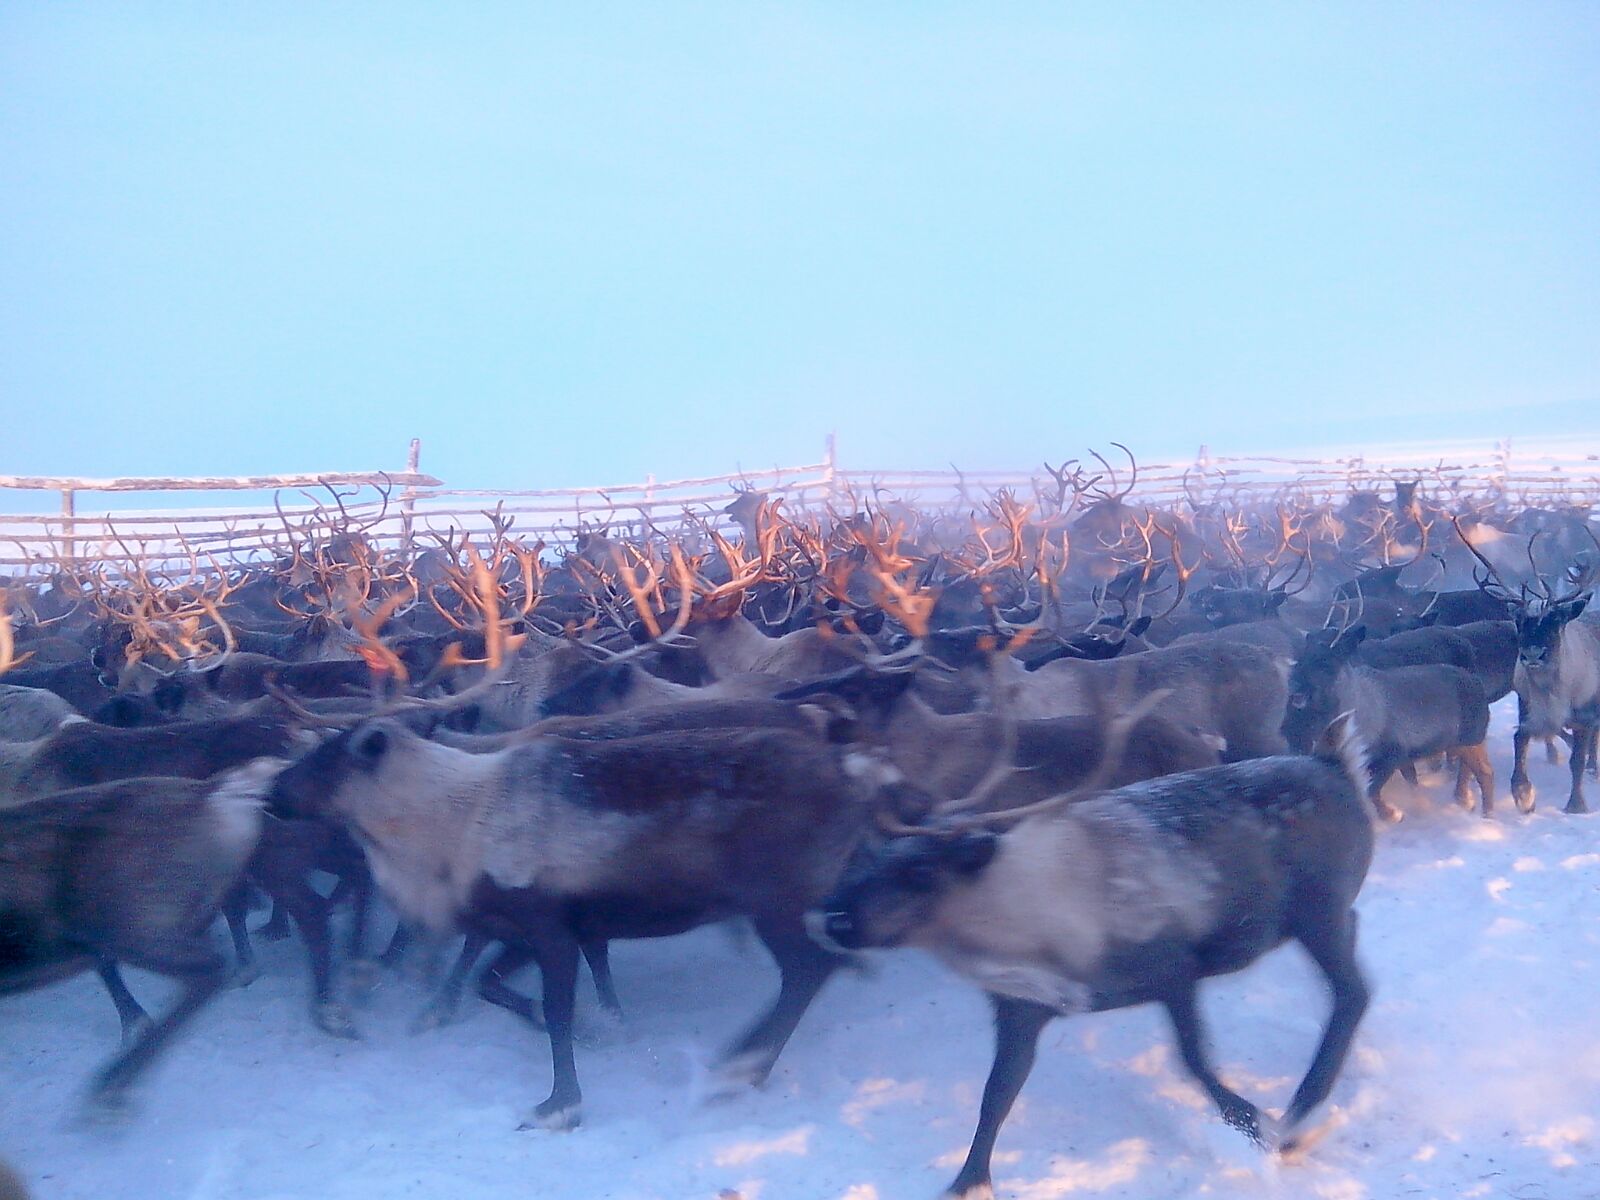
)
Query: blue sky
[{"x": 577, "y": 244}]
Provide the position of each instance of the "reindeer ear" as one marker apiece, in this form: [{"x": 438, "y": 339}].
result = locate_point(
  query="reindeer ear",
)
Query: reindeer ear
[
  {"x": 1138, "y": 627},
  {"x": 1347, "y": 641},
  {"x": 1575, "y": 607},
  {"x": 1275, "y": 599}
]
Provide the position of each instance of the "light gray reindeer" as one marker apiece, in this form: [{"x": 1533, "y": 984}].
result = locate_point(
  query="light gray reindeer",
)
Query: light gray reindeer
[{"x": 1557, "y": 677}]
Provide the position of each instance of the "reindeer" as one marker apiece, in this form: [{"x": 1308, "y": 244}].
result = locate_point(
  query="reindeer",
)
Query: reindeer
[
  {"x": 558, "y": 840},
  {"x": 1231, "y": 692},
  {"x": 1557, "y": 676},
  {"x": 945, "y": 754},
  {"x": 132, "y": 871},
  {"x": 1087, "y": 903},
  {"x": 81, "y": 753},
  {"x": 1402, "y": 713}
]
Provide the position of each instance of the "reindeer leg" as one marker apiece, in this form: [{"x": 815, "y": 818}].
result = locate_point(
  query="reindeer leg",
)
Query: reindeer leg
[
  {"x": 1017, "y": 1025},
  {"x": 133, "y": 1018},
  {"x": 492, "y": 985},
  {"x": 310, "y": 913},
  {"x": 556, "y": 950},
  {"x": 441, "y": 1010},
  {"x": 203, "y": 974},
  {"x": 804, "y": 967},
  {"x": 1464, "y": 775},
  {"x": 1582, "y": 741},
  {"x": 1521, "y": 786},
  {"x": 1382, "y": 767},
  {"x": 361, "y": 972},
  {"x": 1185, "y": 1017},
  {"x": 235, "y": 907},
  {"x": 1332, "y": 946},
  {"x": 597, "y": 953},
  {"x": 1476, "y": 759}
]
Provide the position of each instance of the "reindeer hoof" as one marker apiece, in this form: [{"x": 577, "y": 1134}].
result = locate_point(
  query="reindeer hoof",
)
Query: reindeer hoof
[
  {"x": 740, "y": 1072},
  {"x": 245, "y": 974},
  {"x": 976, "y": 1191},
  {"x": 554, "y": 1115},
  {"x": 1247, "y": 1119},
  {"x": 334, "y": 1018},
  {"x": 1390, "y": 814},
  {"x": 1576, "y": 808},
  {"x": 1523, "y": 794}
]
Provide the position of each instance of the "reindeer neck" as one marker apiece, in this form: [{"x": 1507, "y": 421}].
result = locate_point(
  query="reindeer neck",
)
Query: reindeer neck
[
  {"x": 924, "y": 744},
  {"x": 733, "y": 644}
]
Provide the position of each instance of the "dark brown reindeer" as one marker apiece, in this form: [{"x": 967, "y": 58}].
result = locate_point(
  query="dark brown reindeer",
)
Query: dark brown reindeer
[
  {"x": 1402, "y": 712},
  {"x": 127, "y": 872},
  {"x": 81, "y": 753}
]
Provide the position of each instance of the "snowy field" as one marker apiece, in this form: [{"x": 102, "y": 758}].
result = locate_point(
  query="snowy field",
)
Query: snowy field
[{"x": 1476, "y": 1072}]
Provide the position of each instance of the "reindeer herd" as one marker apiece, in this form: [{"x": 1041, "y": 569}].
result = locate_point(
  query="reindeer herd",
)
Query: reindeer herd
[{"x": 1087, "y": 751}]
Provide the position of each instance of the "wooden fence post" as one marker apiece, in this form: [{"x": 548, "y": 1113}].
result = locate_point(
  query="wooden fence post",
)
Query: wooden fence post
[
  {"x": 408, "y": 498},
  {"x": 69, "y": 544},
  {"x": 830, "y": 466}
]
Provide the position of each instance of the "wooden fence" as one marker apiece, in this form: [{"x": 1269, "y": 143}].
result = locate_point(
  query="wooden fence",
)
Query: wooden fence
[{"x": 407, "y": 507}]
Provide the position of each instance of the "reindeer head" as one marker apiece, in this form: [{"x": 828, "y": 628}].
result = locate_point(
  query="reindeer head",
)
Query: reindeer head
[
  {"x": 1539, "y": 629},
  {"x": 891, "y": 890},
  {"x": 1541, "y": 615}
]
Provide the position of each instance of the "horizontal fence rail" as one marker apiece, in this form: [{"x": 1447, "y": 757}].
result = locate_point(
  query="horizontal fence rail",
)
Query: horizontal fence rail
[{"x": 410, "y": 510}]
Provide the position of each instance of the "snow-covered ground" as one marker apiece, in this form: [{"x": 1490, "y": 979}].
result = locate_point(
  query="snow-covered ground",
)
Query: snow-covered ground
[{"x": 1476, "y": 1072}]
